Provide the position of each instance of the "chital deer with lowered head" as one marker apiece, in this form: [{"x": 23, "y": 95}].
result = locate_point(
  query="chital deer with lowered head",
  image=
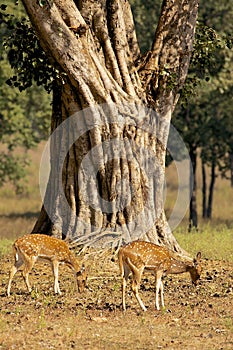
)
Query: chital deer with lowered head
[
  {"x": 139, "y": 255},
  {"x": 32, "y": 247}
]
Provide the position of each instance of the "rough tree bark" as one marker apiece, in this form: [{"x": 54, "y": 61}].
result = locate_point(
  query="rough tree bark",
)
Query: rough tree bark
[{"x": 94, "y": 47}]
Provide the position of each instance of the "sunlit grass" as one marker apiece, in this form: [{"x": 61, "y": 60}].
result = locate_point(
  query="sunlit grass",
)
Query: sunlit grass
[
  {"x": 213, "y": 242},
  {"x": 19, "y": 205},
  {"x": 18, "y": 213},
  {"x": 5, "y": 246}
]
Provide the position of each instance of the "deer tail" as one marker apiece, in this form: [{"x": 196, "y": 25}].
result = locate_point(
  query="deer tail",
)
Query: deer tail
[
  {"x": 15, "y": 252},
  {"x": 121, "y": 263}
]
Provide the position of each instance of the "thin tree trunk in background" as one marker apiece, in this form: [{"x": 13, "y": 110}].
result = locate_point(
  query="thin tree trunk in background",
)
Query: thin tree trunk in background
[
  {"x": 203, "y": 171},
  {"x": 193, "y": 217},
  {"x": 231, "y": 168},
  {"x": 211, "y": 190}
]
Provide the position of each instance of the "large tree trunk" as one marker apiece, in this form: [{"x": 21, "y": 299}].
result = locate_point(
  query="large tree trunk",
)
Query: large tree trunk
[{"x": 108, "y": 160}]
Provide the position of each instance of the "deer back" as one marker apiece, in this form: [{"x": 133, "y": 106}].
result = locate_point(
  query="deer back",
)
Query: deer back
[
  {"x": 42, "y": 246},
  {"x": 148, "y": 254}
]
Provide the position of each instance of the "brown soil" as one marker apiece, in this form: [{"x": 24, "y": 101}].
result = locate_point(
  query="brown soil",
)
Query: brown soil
[{"x": 195, "y": 318}]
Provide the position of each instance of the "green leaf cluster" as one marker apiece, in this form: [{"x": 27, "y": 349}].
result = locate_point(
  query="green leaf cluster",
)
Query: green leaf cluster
[
  {"x": 24, "y": 53},
  {"x": 24, "y": 106}
]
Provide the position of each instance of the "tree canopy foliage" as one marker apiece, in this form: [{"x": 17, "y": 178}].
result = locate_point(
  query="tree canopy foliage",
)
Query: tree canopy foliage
[
  {"x": 205, "y": 120},
  {"x": 25, "y": 106},
  {"x": 204, "y": 113}
]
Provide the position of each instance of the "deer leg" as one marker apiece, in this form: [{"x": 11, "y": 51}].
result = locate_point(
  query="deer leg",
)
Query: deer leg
[
  {"x": 124, "y": 283},
  {"x": 27, "y": 269},
  {"x": 14, "y": 269},
  {"x": 55, "y": 265},
  {"x": 135, "y": 287},
  {"x": 161, "y": 293},
  {"x": 159, "y": 287}
]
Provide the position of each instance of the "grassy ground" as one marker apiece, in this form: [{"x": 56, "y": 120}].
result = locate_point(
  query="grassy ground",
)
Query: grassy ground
[
  {"x": 194, "y": 318},
  {"x": 214, "y": 242}
]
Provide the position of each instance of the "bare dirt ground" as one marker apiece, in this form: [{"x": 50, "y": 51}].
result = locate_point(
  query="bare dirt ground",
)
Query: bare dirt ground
[{"x": 195, "y": 318}]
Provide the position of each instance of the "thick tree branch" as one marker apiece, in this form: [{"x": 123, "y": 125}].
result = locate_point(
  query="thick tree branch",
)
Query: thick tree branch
[
  {"x": 117, "y": 31},
  {"x": 60, "y": 37},
  {"x": 166, "y": 66}
]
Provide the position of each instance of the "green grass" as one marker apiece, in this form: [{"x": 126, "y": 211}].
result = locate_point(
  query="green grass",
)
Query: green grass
[
  {"x": 5, "y": 246},
  {"x": 215, "y": 242}
]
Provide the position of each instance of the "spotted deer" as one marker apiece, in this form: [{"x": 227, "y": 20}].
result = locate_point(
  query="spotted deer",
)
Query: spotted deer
[
  {"x": 139, "y": 255},
  {"x": 32, "y": 247}
]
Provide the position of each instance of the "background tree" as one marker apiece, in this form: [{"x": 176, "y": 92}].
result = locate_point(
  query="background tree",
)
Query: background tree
[
  {"x": 215, "y": 147},
  {"x": 204, "y": 113},
  {"x": 24, "y": 115},
  {"x": 146, "y": 15},
  {"x": 205, "y": 120}
]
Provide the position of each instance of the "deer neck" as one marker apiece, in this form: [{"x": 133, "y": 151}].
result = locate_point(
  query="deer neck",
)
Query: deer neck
[
  {"x": 177, "y": 266},
  {"x": 72, "y": 262}
]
